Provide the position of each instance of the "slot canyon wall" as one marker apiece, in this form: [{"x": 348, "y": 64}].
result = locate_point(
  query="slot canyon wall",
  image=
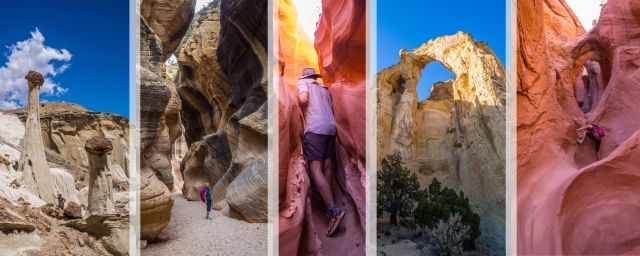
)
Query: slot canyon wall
[
  {"x": 338, "y": 52},
  {"x": 162, "y": 25},
  {"x": 457, "y": 134},
  {"x": 573, "y": 199},
  {"x": 222, "y": 84},
  {"x": 213, "y": 100}
]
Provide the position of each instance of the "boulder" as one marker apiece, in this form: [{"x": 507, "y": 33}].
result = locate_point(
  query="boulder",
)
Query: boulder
[
  {"x": 112, "y": 230},
  {"x": 73, "y": 210},
  {"x": 155, "y": 205}
]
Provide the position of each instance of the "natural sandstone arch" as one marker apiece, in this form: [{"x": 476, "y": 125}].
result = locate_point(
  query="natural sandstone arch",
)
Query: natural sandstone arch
[{"x": 458, "y": 133}]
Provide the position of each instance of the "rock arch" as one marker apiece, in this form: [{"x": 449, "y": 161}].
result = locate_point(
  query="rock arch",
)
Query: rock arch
[{"x": 457, "y": 134}]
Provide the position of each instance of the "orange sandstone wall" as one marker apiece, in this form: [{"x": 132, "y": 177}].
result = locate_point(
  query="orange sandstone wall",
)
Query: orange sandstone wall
[
  {"x": 571, "y": 199},
  {"x": 339, "y": 54}
]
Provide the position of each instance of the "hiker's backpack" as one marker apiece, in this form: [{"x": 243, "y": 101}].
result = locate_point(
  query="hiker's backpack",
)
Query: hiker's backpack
[{"x": 598, "y": 131}]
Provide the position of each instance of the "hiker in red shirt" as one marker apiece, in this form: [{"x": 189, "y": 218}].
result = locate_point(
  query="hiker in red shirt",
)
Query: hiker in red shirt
[
  {"x": 595, "y": 132},
  {"x": 205, "y": 197}
]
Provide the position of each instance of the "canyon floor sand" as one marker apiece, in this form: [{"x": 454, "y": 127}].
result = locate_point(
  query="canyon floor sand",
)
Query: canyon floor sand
[{"x": 189, "y": 233}]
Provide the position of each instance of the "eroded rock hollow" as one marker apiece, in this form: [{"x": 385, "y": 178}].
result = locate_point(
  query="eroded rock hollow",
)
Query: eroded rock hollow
[
  {"x": 457, "y": 134},
  {"x": 575, "y": 199}
]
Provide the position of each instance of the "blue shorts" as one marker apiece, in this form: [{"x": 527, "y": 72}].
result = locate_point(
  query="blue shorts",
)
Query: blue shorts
[{"x": 318, "y": 147}]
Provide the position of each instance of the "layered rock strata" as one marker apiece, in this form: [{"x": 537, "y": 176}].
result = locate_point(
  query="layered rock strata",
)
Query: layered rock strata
[
  {"x": 162, "y": 25},
  {"x": 457, "y": 134},
  {"x": 65, "y": 129}
]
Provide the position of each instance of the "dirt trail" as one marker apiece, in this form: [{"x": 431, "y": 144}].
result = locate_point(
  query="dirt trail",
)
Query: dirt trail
[{"x": 189, "y": 233}]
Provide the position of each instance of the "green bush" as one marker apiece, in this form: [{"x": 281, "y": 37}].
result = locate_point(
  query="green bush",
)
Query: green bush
[
  {"x": 437, "y": 204},
  {"x": 397, "y": 189}
]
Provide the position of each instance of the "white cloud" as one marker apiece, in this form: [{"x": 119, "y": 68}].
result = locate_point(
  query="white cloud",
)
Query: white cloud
[
  {"x": 201, "y": 4},
  {"x": 587, "y": 11},
  {"x": 30, "y": 54}
]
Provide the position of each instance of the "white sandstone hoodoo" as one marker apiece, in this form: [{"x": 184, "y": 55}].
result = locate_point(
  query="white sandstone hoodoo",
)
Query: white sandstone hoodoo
[
  {"x": 100, "y": 178},
  {"x": 36, "y": 175}
]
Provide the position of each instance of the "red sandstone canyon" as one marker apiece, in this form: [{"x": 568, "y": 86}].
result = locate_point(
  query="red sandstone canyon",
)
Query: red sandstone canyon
[
  {"x": 338, "y": 52},
  {"x": 571, "y": 198}
]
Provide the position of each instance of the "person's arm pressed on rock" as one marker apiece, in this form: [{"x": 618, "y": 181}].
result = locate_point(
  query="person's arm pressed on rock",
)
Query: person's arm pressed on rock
[{"x": 303, "y": 94}]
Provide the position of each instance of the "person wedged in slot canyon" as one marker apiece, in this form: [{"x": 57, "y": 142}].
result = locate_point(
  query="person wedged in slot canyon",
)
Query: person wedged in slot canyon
[
  {"x": 593, "y": 131},
  {"x": 319, "y": 140}
]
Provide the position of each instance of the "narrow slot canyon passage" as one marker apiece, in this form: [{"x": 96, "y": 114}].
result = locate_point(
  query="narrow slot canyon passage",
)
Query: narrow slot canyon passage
[
  {"x": 327, "y": 36},
  {"x": 576, "y": 197},
  {"x": 204, "y": 127}
]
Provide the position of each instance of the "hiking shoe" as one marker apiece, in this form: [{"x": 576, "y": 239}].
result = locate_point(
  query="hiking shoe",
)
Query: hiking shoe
[{"x": 335, "y": 221}]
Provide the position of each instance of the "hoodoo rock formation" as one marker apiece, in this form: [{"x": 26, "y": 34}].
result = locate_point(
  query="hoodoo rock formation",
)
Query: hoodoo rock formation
[
  {"x": 574, "y": 199},
  {"x": 339, "y": 54},
  {"x": 66, "y": 227},
  {"x": 100, "y": 178},
  {"x": 457, "y": 135},
  {"x": 36, "y": 175}
]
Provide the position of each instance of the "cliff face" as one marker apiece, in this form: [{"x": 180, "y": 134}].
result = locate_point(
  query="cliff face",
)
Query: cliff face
[
  {"x": 573, "y": 199},
  {"x": 65, "y": 129},
  {"x": 222, "y": 85},
  {"x": 340, "y": 51},
  {"x": 162, "y": 25},
  {"x": 457, "y": 134}
]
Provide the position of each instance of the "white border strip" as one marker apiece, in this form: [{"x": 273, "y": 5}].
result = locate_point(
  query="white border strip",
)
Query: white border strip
[
  {"x": 272, "y": 144},
  {"x": 371, "y": 128},
  {"x": 511, "y": 130},
  {"x": 134, "y": 131}
]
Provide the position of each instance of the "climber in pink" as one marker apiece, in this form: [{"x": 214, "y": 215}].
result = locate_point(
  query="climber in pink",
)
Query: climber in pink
[
  {"x": 595, "y": 132},
  {"x": 319, "y": 140},
  {"x": 205, "y": 197}
]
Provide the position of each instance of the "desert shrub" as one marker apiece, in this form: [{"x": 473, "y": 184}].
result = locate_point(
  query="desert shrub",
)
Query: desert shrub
[
  {"x": 397, "y": 189},
  {"x": 438, "y": 204},
  {"x": 446, "y": 238}
]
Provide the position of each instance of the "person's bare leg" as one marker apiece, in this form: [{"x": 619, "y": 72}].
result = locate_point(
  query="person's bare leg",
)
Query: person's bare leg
[
  {"x": 322, "y": 183},
  {"x": 327, "y": 167}
]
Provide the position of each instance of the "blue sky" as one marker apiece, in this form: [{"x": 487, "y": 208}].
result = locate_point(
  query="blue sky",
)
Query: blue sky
[
  {"x": 90, "y": 37},
  {"x": 409, "y": 23}
]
